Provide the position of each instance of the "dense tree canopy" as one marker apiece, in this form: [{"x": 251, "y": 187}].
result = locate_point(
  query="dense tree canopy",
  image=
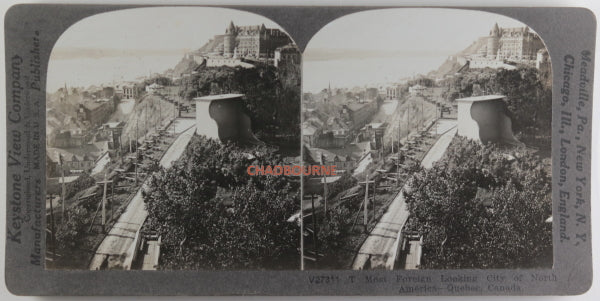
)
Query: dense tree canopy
[
  {"x": 480, "y": 207},
  {"x": 212, "y": 215},
  {"x": 528, "y": 97},
  {"x": 273, "y": 105}
]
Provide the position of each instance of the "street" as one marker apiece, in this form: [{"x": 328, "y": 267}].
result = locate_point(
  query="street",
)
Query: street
[
  {"x": 119, "y": 244},
  {"x": 382, "y": 243}
]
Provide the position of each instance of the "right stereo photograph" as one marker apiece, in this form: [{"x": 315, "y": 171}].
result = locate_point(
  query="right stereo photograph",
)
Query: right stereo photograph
[{"x": 438, "y": 123}]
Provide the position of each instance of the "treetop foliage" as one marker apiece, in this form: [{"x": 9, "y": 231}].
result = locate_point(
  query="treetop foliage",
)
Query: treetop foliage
[
  {"x": 212, "y": 215},
  {"x": 480, "y": 207}
]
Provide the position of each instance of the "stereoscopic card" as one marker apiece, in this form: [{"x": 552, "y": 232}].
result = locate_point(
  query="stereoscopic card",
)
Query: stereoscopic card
[{"x": 298, "y": 150}]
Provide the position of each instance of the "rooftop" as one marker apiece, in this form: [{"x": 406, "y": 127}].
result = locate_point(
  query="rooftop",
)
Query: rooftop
[
  {"x": 68, "y": 155},
  {"x": 114, "y": 124},
  {"x": 92, "y": 105},
  {"x": 308, "y": 130},
  {"x": 355, "y": 106},
  {"x": 217, "y": 97},
  {"x": 374, "y": 125},
  {"x": 481, "y": 98}
]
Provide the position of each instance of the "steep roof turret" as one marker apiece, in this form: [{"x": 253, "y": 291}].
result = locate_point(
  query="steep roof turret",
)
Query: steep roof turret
[
  {"x": 230, "y": 28},
  {"x": 495, "y": 31}
]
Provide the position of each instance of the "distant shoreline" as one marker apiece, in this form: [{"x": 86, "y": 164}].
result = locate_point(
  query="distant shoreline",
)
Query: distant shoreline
[{"x": 327, "y": 54}]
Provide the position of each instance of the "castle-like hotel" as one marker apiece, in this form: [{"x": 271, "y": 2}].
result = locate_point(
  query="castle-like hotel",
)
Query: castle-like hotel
[
  {"x": 505, "y": 47},
  {"x": 255, "y": 41},
  {"x": 244, "y": 46},
  {"x": 512, "y": 44}
]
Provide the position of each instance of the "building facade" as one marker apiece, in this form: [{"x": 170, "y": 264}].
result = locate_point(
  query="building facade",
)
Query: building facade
[
  {"x": 287, "y": 55},
  {"x": 95, "y": 112},
  {"x": 154, "y": 88},
  {"x": 69, "y": 139},
  {"x": 358, "y": 114},
  {"x": 59, "y": 160},
  {"x": 543, "y": 59},
  {"x": 512, "y": 44},
  {"x": 392, "y": 92},
  {"x": 254, "y": 41},
  {"x": 126, "y": 91}
]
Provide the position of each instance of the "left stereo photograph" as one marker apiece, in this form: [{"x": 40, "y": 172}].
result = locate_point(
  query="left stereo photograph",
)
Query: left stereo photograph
[{"x": 153, "y": 123}]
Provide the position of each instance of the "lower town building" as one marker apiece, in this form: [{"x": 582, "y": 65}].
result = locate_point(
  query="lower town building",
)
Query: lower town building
[
  {"x": 310, "y": 134},
  {"x": 112, "y": 132},
  {"x": 95, "y": 112},
  {"x": 418, "y": 90},
  {"x": 60, "y": 159},
  {"x": 68, "y": 139},
  {"x": 342, "y": 163},
  {"x": 392, "y": 92},
  {"x": 126, "y": 91},
  {"x": 154, "y": 88},
  {"x": 373, "y": 132},
  {"x": 358, "y": 113}
]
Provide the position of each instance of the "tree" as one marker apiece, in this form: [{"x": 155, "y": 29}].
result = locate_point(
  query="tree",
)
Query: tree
[
  {"x": 333, "y": 232},
  {"x": 345, "y": 182},
  {"x": 477, "y": 208},
  {"x": 273, "y": 105},
  {"x": 212, "y": 214},
  {"x": 71, "y": 233}
]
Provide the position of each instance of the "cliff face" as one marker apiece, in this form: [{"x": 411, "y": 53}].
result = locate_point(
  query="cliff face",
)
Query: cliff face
[
  {"x": 186, "y": 65},
  {"x": 408, "y": 115},
  {"x": 147, "y": 114},
  {"x": 290, "y": 76},
  {"x": 474, "y": 47},
  {"x": 452, "y": 65},
  {"x": 211, "y": 45}
]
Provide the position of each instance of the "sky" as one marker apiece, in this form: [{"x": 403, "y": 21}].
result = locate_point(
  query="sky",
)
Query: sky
[
  {"x": 359, "y": 49},
  {"x": 385, "y": 45},
  {"x": 416, "y": 29},
  {"x": 122, "y": 45}
]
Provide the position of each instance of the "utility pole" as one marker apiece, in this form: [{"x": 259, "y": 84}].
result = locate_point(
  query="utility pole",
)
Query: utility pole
[
  {"x": 314, "y": 220},
  {"x": 398, "y": 159},
  {"x": 382, "y": 144},
  {"x": 325, "y": 196},
  {"x": 407, "y": 121},
  {"x": 437, "y": 117},
  {"x": 324, "y": 187},
  {"x": 366, "y": 202},
  {"x": 136, "y": 151},
  {"x": 105, "y": 182},
  {"x": 366, "y": 212},
  {"x": 160, "y": 113},
  {"x": 63, "y": 189},
  {"x": 399, "y": 129},
  {"x": 112, "y": 200},
  {"x": 146, "y": 122},
  {"x": 175, "y": 117},
  {"x": 422, "y": 114},
  {"x": 392, "y": 142},
  {"x": 374, "y": 193},
  {"x": 53, "y": 238}
]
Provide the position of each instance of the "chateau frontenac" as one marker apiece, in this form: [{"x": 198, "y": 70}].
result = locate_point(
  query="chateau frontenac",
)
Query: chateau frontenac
[
  {"x": 255, "y": 41},
  {"x": 511, "y": 44}
]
